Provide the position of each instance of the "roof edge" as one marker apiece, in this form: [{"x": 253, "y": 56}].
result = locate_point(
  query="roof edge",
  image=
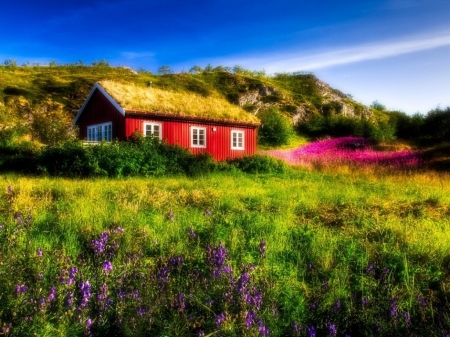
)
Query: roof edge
[
  {"x": 97, "y": 86},
  {"x": 171, "y": 115}
]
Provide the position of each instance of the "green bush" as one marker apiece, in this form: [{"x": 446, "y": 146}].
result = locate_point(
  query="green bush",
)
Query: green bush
[
  {"x": 275, "y": 128},
  {"x": 258, "y": 164}
]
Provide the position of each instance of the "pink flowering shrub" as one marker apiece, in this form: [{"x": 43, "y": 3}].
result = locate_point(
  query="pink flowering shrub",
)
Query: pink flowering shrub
[{"x": 345, "y": 151}]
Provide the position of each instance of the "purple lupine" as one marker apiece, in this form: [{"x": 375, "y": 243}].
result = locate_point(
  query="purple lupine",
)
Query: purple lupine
[
  {"x": 163, "y": 275},
  {"x": 263, "y": 330},
  {"x": 220, "y": 319},
  {"x": 421, "y": 301},
  {"x": 262, "y": 248},
  {"x": 176, "y": 261},
  {"x": 100, "y": 244},
  {"x": 313, "y": 306},
  {"x": 250, "y": 319},
  {"x": 192, "y": 233},
  {"x": 41, "y": 302},
  {"x": 69, "y": 300},
  {"x": 332, "y": 331},
  {"x": 407, "y": 319},
  {"x": 179, "y": 302},
  {"x": 365, "y": 301},
  {"x": 107, "y": 266},
  {"x": 200, "y": 333},
  {"x": 141, "y": 311},
  {"x": 85, "y": 288},
  {"x": 21, "y": 289},
  {"x": 207, "y": 212},
  {"x": 118, "y": 230},
  {"x": 52, "y": 294},
  {"x": 337, "y": 305},
  {"x": 39, "y": 252},
  {"x": 370, "y": 269},
  {"x": 296, "y": 327},
  {"x": 72, "y": 272},
  {"x": 217, "y": 258},
  {"x": 311, "y": 331},
  {"x": 88, "y": 323},
  {"x": 393, "y": 308}
]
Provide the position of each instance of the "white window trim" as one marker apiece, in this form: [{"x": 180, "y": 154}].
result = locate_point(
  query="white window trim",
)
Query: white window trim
[
  {"x": 144, "y": 131},
  {"x": 198, "y": 128},
  {"x": 242, "y": 147},
  {"x": 94, "y": 128}
]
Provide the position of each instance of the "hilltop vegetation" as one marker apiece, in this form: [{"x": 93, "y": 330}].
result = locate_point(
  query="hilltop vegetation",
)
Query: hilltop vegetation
[{"x": 38, "y": 103}]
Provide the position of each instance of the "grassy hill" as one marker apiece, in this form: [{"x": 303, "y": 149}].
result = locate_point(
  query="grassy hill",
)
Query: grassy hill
[{"x": 55, "y": 92}]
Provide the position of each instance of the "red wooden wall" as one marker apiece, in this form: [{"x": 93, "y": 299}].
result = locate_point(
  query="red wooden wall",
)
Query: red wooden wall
[
  {"x": 99, "y": 110},
  {"x": 218, "y": 143}
]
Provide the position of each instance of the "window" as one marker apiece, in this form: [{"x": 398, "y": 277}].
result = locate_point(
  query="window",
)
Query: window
[
  {"x": 99, "y": 132},
  {"x": 237, "y": 140},
  {"x": 198, "y": 137},
  {"x": 153, "y": 130}
]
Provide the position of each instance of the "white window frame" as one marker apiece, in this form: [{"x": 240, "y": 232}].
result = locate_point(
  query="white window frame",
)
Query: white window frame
[
  {"x": 152, "y": 124},
  {"x": 195, "y": 131},
  {"x": 238, "y": 145},
  {"x": 99, "y": 132}
]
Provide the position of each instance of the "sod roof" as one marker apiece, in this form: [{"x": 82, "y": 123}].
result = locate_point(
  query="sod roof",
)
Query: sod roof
[{"x": 138, "y": 98}]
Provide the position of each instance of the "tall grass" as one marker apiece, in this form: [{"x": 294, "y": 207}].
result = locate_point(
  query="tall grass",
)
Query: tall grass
[{"x": 226, "y": 254}]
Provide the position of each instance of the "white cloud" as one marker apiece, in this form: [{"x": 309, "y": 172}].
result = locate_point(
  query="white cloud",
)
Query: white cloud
[{"x": 319, "y": 59}]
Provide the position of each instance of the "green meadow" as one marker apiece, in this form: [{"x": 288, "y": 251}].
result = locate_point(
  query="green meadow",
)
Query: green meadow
[{"x": 302, "y": 253}]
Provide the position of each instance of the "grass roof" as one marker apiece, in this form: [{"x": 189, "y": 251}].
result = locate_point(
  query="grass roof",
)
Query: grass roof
[{"x": 134, "y": 97}]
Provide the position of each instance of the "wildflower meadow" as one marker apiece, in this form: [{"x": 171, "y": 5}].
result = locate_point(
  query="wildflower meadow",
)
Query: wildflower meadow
[
  {"x": 229, "y": 254},
  {"x": 352, "y": 151}
]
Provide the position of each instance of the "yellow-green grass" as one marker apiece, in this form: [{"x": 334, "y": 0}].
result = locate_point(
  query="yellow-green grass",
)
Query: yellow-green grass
[
  {"x": 133, "y": 97},
  {"x": 338, "y": 223}
]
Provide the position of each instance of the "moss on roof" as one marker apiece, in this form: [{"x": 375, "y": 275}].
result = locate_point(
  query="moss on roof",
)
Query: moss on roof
[{"x": 133, "y": 97}]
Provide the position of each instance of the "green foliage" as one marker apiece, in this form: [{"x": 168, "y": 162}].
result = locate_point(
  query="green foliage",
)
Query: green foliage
[
  {"x": 340, "y": 126},
  {"x": 164, "y": 70},
  {"x": 259, "y": 164},
  {"x": 275, "y": 128}
]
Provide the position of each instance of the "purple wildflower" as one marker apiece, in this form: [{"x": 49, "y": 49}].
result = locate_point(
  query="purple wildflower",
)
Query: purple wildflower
[
  {"x": 220, "y": 319},
  {"x": 85, "y": 289},
  {"x": 41, "y": 302},
  {"x": 69, "y": 300},
  {"x": 421, "y": 301},
  {"x": 296, "y": 327},
  {"x": 72, "y": 272},
  {"x": 337, "y": 305},
  {"x": 200, "y": 333},
  {"x": 393, "y": 308},
  {"x": 52, "y": 294},
  {"x": 21, "y": 289},
  {"x": 192, "y": 233},
  {"x": 309, "y": 266},
  {"x": 179, "y": 302},
  {"x": 39, "y": 252},
  {"x": 332, "y": 331},
  {"x": 141, "y": 311},
  {"x": 370, "y": 269},
  {"x": 325, "y": 284},
  {"x": 207, "y": 213},
  {"x": 100, "y": 244},
  {"x": 88, "y": 323},
  {"x": 365, "y": 301},
  {"x": 311, "y": 331},
  {"x": 250, "y": 319},
  {"x": 107, "y": 266},
  {"x": 263, "y": 330},
  {"x": 407, "y": 319}
]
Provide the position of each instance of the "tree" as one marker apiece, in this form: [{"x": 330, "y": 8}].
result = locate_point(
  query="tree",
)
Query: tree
[
  {"x": 196, "y": 70},
  {"x": 275, "y": 128},
  {"x": 164, "y": 70}
]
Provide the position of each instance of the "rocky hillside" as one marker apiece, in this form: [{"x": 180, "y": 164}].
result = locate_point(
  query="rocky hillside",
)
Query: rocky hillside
[{"x": 32, "y": 95}]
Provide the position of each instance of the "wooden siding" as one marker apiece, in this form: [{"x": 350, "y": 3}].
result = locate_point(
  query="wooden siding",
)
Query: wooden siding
[
  {"x": 218, "y": 142},
  {"x": 99, "y": 110}
]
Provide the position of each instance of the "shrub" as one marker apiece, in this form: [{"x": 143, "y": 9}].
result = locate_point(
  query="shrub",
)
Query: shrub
[
  {"x": 275, "y": 128},
  {"x": 258, "y": 164}
]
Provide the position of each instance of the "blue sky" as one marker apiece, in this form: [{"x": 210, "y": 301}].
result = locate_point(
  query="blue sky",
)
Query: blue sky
[{"x": 393, "y": 51}]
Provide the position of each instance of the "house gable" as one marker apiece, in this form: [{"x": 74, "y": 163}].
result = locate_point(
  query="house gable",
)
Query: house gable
[{"x": 98, "y": 87}]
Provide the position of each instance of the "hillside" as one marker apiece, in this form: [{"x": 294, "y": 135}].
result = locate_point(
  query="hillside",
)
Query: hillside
[{"x": 34, "y": 95}]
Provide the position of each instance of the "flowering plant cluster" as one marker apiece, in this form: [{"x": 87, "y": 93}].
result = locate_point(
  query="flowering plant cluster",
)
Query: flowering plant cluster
[{"x": 347, "y": 150}]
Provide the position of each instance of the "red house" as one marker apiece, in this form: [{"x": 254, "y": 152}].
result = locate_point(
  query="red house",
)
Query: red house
[{"x": 201, "y": 124}]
